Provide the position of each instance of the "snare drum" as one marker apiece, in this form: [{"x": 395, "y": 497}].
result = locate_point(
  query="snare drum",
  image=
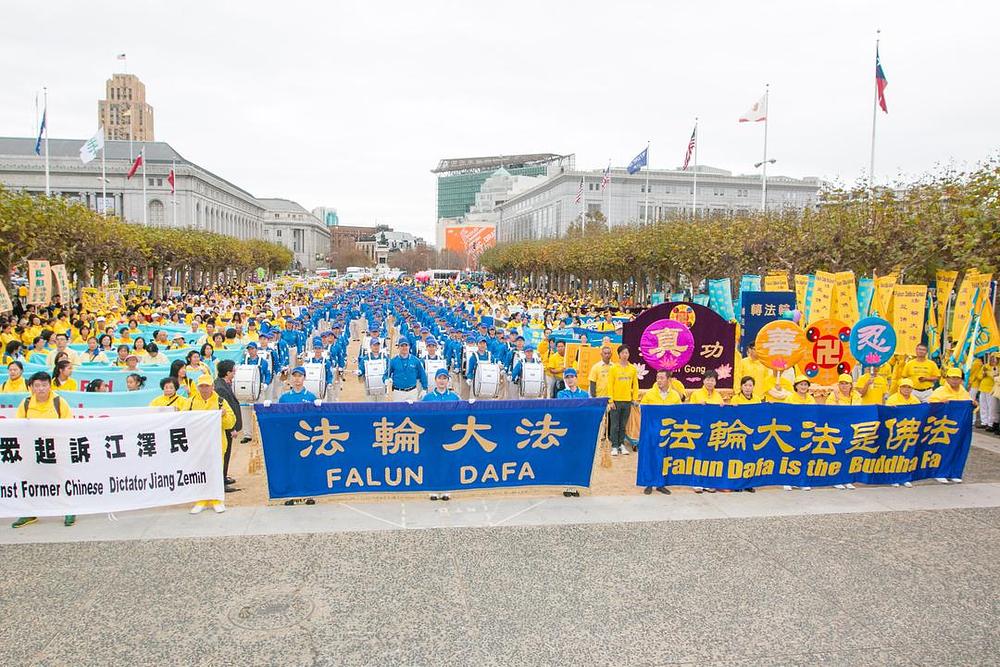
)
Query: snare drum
[
  {"x": 487, "y": 381},
  {"x": 316, "y": 379},
  {"x": 246, "y": 384},
  {"x": 374, "y": 372},
  {"x": 431, "y": 367},
  {"x": 532, "y": 380}
]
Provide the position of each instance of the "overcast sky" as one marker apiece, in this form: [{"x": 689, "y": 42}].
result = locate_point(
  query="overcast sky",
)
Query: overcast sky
[{"x": 351, "y": 104}]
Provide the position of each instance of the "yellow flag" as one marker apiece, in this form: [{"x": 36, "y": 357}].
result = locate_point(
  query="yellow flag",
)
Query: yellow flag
[
  {"x": 882, "y": 303},
  {"x": 845, "y": 300},
  {"x": 932, "y": 330},
  {"x": 945, "y": 283},
  {"x": 822, "y": 301},
  {"x": 801, "y": 287},
  {"x": 776, "y": 281},
  {"x": 989, "y": 335},
  {"x": 908, "y": 316},
  {"x": 963, "y": 309}
]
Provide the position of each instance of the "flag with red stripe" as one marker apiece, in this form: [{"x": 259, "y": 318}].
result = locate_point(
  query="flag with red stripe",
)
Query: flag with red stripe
[
  {"x": 579, "y": 193},
  {"x": 691, "y": 144},
  {"x": 881, "y": 83},
  {"x": 135, "y": 167}
]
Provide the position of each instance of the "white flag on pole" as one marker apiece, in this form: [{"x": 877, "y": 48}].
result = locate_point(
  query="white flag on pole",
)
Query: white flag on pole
[
  {"x": 89, "y": 150},
  {"x": 757, "y": 112}
]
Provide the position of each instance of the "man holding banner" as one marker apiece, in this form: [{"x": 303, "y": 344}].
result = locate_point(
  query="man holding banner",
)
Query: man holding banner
[{"x": 43, "y": 404}]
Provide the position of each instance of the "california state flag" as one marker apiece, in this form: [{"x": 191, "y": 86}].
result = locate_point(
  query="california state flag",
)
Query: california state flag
[{"x": 757, "y": 112}]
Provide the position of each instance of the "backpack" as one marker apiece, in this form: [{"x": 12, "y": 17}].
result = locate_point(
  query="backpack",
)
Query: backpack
[{"x": 56, "y": 401}]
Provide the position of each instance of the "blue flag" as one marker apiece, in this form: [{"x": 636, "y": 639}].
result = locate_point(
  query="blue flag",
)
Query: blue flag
[
  {"x": 639, "y": 161},
  {"x": 41, "y": 131}
]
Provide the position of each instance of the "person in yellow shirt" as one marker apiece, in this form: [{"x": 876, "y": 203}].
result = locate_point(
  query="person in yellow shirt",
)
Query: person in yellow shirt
[
  {"x": 662, "y": 393},
  {"x": 61, "y": 376},
  {"x": 598, "y": 376},
  {"x": 988, "y": 404},
  {"x": 923, "y": 372},
  {"x": 873, "y": 386},
  {"x": 170, "y": 398},
  {"x": 904, "y": 395},
  {"x": 752, "y": 365},
  {"x": 207, "y": 399},
  {"x": 951, "y": 390},
  {"x": 14, "y": 384},
  {"x": 800, "y": 392},
  {"x": 42, "y": 404},
  {"x": 844, "y": 393},
  {"x": 747, "y": 394},
  {"x": 555, "y": 364},
  {"x": 706, "y": 394},
  {"x": 775, "y": 388},
  {"x": 623, "y": 391}
]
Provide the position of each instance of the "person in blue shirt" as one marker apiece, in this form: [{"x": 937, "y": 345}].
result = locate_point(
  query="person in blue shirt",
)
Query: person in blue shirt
[
  {"x": 480, "y": 355},
  {"x": 441, "y": 391},
  {"x": 253, "y": 358},
  {"x": 406, "y": 374},
  {"x": 571, "y": 390},
  {"x": 318, "y": 359},
  {"x": 297, "y": 393}
]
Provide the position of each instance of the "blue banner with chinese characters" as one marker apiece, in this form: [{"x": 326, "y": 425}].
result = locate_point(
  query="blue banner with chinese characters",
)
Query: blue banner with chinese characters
[
  {"x": 759, "y": 308},
  {"x": 735, "y": 447},
  {"x": 447, "y": 446}
]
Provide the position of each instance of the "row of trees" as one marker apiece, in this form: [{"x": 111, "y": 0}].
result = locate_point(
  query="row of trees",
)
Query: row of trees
[
  {"x": 949, "y": 220},
  {"x": 94, "y": 247}
]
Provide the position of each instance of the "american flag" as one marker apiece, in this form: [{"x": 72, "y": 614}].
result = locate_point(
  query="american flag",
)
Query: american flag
[
  {"x": 691, "y": 144},
  {"x": 579, "y": 193},
  {"x": 606, "y": 178}
]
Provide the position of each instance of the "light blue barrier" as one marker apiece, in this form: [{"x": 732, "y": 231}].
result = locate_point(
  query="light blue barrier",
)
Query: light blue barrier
[{"x": 83, "y": 399}]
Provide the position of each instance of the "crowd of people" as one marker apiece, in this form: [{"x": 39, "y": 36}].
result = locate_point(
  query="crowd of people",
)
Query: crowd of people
[{"x": 433, "y": 343}]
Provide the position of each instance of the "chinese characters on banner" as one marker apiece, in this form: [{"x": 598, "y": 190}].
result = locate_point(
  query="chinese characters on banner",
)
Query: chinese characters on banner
[
  {"x": 394, "y": 447},
  {"x": 972, "y": 284},
  {"x": 52, "y": 467},
  {"x": 62, "y": 281},
  {"x": 771, "y": 444},
  {"x": 776, "y": 281},
  {"x": 759, "y": 308},
  {"x": 39, "y": 282},
  {"x": 714, "y": 343},
  {"x": 845, "y": 299},
  {"x": 6, "y": 305},
  {"x": 822, "y": 299},
  {"x": 908, "y": 316}
]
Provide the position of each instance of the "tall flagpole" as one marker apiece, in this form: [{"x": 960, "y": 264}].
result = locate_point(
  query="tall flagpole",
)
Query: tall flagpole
[
  {"x": 694, "y": 190},
  {"x": 608, "y": 220},
  {"x": 104, "y": 178},
  {"x": 646, "y": 216},
  {"x": 583, "y": 206},
  {"x": 145, "y": 204},
  {"x": 45, "y": 119},
  {"x": 871, "y": 164},
  {"x": 767, "y": 114},
  {"x": 173, "y": 192}
]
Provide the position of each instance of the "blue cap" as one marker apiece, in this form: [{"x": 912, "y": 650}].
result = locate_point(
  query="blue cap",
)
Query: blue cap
[
  {"x": 431, "y": 341},
  {"x": 483, "y": 339},
  {"x": 529, "y": 347},
  {"x": 326, "y": 333},
  {"x": 317, "y": 343},
  {"x": 299, "y": 369},
  {"x": 251, "y": 346},
  {"x": 441, "y": 372},
  {"x": 569, "y": 371},
  {"x": 403, "y": 341},
  {"x": 375, "y": 341}
]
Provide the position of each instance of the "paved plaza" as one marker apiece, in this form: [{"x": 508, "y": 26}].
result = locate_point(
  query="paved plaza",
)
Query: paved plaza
[{"x": 874, "y": 576}]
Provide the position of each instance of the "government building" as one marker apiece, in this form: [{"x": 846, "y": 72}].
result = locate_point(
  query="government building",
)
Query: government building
[{"x": 547, "y": 209}]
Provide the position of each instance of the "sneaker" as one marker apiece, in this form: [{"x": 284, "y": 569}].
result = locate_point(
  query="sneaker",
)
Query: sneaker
[
  {"x": 445, "y": 496},
  {"x": 24, "y": 521},
  {"x": 69, "y": 520},
  {"x": 896, "y": 485},
  {"x": 750, "y": 489},
  {"x": 956, "y": 480},
  {"x": 614, "y": 451},
  {"x": 624, "y": 451},
  {"x": 849, "y": 486},
  {"x": 786, "y": 487},
  {"x": 229, "y": 480},
  {"x": 647, "y": 491},
  {"x": 806, "y": 488},
  {"x": 434, "y": 496},
  {"x": 839, "y": 486},
  {"x": 699, "y": 489},
  {"x": 664, "y": 490},
  {"x": 710, "y": 490},
  {"x": 908, "y": 485},
  {"x": 941, "y": 480},
  {"x": 199, "y": 507},
  {"x": 219, "y": 507}
]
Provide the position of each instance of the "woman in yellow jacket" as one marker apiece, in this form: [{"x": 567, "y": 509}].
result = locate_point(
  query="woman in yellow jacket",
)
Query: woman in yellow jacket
[
  {"x": 207, "y": 399},
  {"x": 61, "y": 376},
  {"x": 623, "y": 391},
  {"x": 14, "y": 384},
  {"x": 170, "y": 398}
]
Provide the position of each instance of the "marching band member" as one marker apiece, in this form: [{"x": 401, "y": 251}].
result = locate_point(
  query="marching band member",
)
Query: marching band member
[
  {"x": 406, "y": 374},
  {"x": 374, "y": 353},
  {"x": 318, "y": 359},
  {"x": 297, "y": 393},
  {"x": 441, "y": 392}
]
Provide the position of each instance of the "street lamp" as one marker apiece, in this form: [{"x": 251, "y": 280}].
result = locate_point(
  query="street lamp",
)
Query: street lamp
[{"x": 757, "y": 165}]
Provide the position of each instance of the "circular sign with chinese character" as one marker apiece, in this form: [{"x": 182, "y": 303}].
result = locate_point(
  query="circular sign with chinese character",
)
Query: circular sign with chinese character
[
  {"x": 666, "y": 345},
  {"x": 873, "y": 341},
  {"x": 831, "y": 354},
  {"x": 781, "y": 344}
]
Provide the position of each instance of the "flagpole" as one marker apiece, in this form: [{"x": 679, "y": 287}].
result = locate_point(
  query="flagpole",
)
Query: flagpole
[
  {"x": 104, "y": 178},
  {"x": 871, "y": 163},
  {"x": 583, "y": 207},
  {"x": 145, "y": 206},
  {"x": 646, "y": 216},
  {"x": 608, "y": 220},
  {"x": 45, "y": 120},
  {"x": 173, "y": 193},
  {"x": 694, "y": 191},
  {"x": 767, "y": 114}
]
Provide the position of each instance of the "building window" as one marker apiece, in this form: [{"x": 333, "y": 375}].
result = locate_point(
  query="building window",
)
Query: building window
[
  {"x": 277, "y": 233},
  {"x": 156, "y": 213},
  {"x": 159, "y": 182},
  {"x": 152, "y": 182}
]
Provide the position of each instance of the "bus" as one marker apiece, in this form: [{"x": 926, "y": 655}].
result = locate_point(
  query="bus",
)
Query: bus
[{"x": 438, "y": 275}]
